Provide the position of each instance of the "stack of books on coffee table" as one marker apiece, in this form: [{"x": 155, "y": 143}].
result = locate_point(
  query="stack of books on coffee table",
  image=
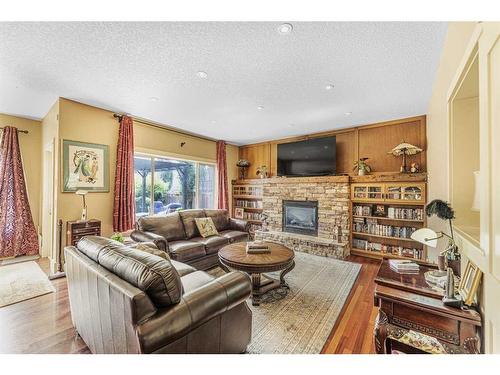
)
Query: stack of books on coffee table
[
  {"x": 258, "y": 247},
  {"x": 403, "y": 266}
]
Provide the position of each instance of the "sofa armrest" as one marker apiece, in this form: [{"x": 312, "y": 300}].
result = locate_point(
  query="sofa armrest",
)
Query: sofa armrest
[
  {"x": 239, "y": 224},
  {"x": 196, "y": 307},
  {"x": 160, "y": 241}
]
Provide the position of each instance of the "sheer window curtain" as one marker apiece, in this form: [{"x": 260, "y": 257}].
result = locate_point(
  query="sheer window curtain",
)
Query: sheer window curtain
[{"x": 17, "y": 231}]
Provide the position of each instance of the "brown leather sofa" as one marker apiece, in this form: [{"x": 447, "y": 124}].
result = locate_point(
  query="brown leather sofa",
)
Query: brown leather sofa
[
  {"x": 177, "y": 234},
  {"x": 124, "y": 300}
]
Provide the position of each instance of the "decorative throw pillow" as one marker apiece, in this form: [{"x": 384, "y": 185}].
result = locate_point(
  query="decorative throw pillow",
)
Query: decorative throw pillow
[
  {"x": 152, "y": 250},
  {"x": 206, "y": 226}
]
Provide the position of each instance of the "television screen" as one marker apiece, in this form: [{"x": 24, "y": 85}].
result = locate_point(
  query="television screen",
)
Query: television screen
[{"x": 312, "y": 157}]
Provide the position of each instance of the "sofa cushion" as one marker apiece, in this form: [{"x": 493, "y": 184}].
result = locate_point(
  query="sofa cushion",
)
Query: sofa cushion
[
  {"x": 234, "y": 235},
  {"x": 153, "y": 275},
  {"x": 187, "y": 217},
  {"x": 186, "y": 250},
  {"x": 212, "y": 244},
  {"x": 182, "y": 268},
  {"x": 206, "y": 226},
  {"x": 169, "y": 226},
  {"x": 194, "y": 280},
  {"x": 147, "y": 248},
  {"x": 220, "y": 218}
]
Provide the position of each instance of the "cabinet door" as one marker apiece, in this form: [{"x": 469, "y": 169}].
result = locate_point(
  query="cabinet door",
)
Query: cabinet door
[
  {"x": 367, "y": 192},
  {"x": 405, "y": 193}
]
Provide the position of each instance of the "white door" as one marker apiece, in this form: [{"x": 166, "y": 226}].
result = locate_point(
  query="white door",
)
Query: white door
[{"x": 48, "y": 199}]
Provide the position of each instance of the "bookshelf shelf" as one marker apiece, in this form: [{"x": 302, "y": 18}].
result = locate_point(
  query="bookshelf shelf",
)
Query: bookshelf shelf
[
  {"x": 378, "y": 236},
  {"x": 247, "y": 201},
  {"x": 405, "y": 199},
  {"x": 390, "y": 218}
]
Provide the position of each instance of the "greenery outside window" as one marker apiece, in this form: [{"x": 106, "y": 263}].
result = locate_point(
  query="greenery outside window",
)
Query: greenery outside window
[{"x": 177, "y": 184}]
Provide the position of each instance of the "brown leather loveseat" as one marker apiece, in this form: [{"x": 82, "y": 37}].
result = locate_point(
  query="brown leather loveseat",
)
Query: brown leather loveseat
[
  {"x": 124, "y": 300},
  {"x": 177, "y": 234}
]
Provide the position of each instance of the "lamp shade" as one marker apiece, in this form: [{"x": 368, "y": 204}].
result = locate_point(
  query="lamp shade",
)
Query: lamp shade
[
  {"x": 405, "y": 148},
  {"x": 425, "y": 236},
  {"x": 81, "y": 192}
]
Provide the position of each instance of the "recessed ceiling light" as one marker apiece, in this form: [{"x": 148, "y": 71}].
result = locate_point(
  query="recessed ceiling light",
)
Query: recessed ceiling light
[
  {"x": 260, "y": 107},
  {"x": 154, "y": 98},
  {"x": 202, "y": 74},
  {"x": 329, "y": 87},
  {"x": 213, "y": 121},
  {"x": 291, "y": 125},
  {"x": 348, "y": 113},
  {"x": 285, "y": 28}
]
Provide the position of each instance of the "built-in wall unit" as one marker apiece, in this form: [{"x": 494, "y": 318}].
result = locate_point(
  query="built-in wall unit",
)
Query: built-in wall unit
[
  {"x": 370, "y": 215},
  {"x": 474, "y": 178}
]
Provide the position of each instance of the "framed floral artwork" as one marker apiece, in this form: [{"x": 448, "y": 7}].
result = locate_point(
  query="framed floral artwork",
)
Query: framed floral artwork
[{"x": 85, "y": 166}]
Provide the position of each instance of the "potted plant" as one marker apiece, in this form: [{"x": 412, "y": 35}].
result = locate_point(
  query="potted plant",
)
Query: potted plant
[
  {"x": 118, "y": 237},
  {"x": 262, "y": 171},
  {"x": 362, "y": 167}
]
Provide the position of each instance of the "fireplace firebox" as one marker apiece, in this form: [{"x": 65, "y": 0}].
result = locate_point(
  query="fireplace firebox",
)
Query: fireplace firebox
[{"x": 300, "y": 217}]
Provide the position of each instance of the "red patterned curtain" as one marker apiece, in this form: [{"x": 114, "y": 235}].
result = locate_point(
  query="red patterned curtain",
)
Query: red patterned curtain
[
  {"x": 17, "y": 231},
  {"x": 222, "y": 175},
  {"x": 124, "y": 204}
]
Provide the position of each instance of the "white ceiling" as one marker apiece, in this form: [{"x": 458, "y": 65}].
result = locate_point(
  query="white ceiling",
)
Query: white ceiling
[{"x": 380, "y": 71}]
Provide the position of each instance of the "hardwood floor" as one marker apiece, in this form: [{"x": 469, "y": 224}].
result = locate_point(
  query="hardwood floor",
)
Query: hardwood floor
[{"x": 43, "y": 324}]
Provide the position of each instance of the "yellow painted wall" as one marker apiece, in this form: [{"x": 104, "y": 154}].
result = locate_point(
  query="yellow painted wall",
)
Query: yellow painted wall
[
  {"x": 79, "y": 122},
  {"x": 30, "y": 151},
  {"x": 438, "y": 148}
]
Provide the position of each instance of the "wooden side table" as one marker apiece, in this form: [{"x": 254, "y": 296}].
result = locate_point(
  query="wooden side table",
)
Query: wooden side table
[
  {"x": 412, "y": 318},
  {"x": 78, "y": 229}
]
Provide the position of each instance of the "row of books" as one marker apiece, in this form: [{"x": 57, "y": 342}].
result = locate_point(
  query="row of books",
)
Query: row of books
[
  {"x": 405, "y": 213},
  {"x": 387, "y": 249},
  {"x": 248, "y": 203},
  {"x": 247, "y": 190},
  {"x": 391, "y": 213},
  {"x": 254, "y": 227},
  {"x": 251, "y": 216},
  {"x": 370, "y": 226}
]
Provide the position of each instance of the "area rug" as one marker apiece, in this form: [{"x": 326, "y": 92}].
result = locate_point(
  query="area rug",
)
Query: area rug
[
  {"x": 301, "y": 320},
  {"x": 22, "y": 281}
]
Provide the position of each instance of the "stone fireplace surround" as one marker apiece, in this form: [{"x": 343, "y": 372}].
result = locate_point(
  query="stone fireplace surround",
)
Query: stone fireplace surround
[{"x": 332, "y": 195}]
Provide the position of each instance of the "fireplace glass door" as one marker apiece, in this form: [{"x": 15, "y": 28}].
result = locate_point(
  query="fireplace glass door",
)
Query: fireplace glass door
[{"x": 300, "y": 217}]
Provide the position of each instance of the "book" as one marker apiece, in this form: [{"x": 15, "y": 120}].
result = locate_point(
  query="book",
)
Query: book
[
  {"x": 403, "y": 265},
  {"x": 258, "y": 251}
]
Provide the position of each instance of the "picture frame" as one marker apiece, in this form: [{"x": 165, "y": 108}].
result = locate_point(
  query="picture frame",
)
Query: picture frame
[
  {"x": 379, "y": 210},
  {"x": 469, "y": 283},
  {"x": 85, "y": 166},
  {"x": 239, "y": 213}
]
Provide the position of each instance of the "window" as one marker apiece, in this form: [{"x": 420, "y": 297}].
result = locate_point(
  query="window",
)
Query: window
[{"x": 164, "y": 185}]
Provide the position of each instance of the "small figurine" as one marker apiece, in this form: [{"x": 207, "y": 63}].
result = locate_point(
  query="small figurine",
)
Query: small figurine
[{"x": 414, "y": 168}]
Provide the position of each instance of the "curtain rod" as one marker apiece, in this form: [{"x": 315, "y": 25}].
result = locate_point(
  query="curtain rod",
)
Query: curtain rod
[
  {"x": 19, "y": 131},
  {"x": 155, "y": 125}
]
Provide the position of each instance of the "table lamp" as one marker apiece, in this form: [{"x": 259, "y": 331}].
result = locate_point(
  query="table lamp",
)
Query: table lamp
[{"x": 83, "y": 193}]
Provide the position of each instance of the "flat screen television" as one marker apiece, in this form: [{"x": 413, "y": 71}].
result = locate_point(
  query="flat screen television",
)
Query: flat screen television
[{"x": 312, "y": 157}]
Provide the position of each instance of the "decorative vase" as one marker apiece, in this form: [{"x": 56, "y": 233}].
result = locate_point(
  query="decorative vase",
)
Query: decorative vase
[{"x": 361, "y": 172}]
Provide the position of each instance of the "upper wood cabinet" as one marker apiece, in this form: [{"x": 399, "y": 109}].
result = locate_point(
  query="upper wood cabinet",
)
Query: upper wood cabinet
[
  {"x": 398, "y": 193},
  {"x": 372, "y": 141}
]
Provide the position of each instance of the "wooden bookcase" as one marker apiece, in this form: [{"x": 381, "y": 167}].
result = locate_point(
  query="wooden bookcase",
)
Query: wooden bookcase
[
  {"x": 383, "y": 216},
  {"x": 247, "y": 195}
]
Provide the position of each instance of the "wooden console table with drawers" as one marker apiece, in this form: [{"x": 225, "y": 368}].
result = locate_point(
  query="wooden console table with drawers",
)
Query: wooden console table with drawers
[
  {"x": 78, "y": 229},
  {"x": 413, "y": 319}
]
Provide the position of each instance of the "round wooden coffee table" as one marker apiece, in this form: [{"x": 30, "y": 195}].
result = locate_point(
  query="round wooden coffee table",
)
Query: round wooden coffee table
[{"x": 281, "y": 258}]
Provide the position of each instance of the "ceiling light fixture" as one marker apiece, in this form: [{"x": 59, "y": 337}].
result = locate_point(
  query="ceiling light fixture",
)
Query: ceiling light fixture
[
  {"x": 348, "y": 113},
  {"x": 202, "y": 74},
  {"x": 260, "y": 107},
  {"x": 285, "y": 28},
  {"x": 154, "y": 98},
  {"x": 329, "y": 87}
]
